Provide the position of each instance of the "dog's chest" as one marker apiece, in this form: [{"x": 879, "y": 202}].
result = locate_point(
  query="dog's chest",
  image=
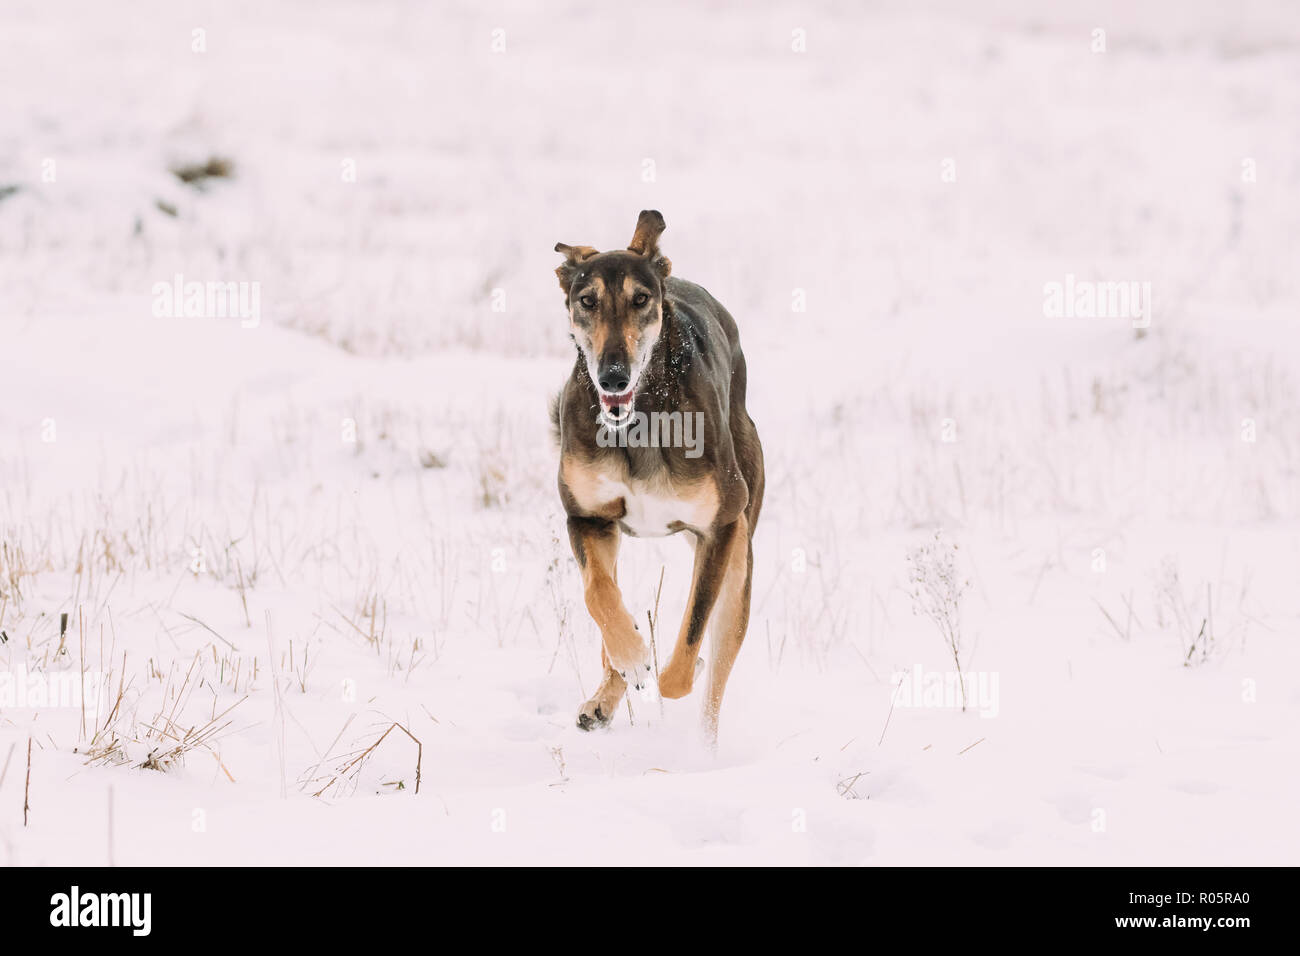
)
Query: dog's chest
[{"x": 651, "y": 512}]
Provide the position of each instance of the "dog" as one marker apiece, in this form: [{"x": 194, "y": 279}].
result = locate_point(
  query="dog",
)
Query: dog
[{"x": 653, "y": 348}]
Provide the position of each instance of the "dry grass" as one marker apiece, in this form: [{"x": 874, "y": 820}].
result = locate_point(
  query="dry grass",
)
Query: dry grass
[
  {"x": 197, "y": 174},
  {"x": 349, "y": 769}
]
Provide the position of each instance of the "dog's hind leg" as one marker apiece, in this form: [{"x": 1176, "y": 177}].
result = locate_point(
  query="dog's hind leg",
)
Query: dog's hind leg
[
  {"x": 729, "y": 622},
  {"x": 713, "y": 555}
]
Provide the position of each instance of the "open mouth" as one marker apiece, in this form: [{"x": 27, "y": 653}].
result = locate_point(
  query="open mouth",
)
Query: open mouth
[{"x": 616, "y": 410}]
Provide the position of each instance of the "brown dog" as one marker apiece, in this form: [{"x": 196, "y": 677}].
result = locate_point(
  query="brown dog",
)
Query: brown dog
[{"x": 654, "y": 439}]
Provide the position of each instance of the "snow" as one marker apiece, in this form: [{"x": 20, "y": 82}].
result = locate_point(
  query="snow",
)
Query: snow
[{"x": 187, "y": 490}]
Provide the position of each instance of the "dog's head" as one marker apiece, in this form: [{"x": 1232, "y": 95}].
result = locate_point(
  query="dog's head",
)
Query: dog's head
[{"x": 616, "y": 310}]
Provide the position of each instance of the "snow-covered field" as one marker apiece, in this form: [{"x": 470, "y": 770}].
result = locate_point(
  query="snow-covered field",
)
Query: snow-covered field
[{"x": 276, "y": 538}]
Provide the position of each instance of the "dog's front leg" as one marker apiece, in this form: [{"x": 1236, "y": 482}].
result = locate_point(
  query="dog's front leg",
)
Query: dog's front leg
[
  {"x": 712, "y": 555},
  {"x": 624, "y": 653}
]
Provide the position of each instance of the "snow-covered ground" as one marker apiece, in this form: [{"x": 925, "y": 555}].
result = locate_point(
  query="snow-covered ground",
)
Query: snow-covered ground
[{"x": 274, "y": 539}]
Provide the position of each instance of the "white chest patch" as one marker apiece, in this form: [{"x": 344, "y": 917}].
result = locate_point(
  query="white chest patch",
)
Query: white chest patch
[{"x": 654, "y": 515}]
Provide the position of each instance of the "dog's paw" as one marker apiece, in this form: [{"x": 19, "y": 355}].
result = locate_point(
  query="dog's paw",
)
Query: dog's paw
[
  {"x": 592, "y": 715},
  {"x": 599, "y": 711},
  {"x": 631, "y": 662}
]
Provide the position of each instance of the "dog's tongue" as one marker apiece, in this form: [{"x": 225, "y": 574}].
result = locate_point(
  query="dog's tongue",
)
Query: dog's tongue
[{"x": 614, "y": 401}]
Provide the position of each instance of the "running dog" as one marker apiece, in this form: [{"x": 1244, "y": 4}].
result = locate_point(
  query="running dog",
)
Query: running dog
[{"x": 658, "y": 349}]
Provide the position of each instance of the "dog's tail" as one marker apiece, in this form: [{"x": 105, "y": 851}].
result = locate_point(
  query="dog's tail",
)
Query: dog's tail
[{"x": 555, "y": 418}]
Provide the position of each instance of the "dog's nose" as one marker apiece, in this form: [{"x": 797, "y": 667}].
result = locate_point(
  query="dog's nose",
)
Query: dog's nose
[{"x": 614, "y": 379}]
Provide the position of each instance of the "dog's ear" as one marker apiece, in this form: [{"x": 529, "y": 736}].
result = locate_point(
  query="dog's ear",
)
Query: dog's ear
[
  {"x": 645, "y": 240},
  {"x": 649, "y": 227},
  {"x": 573, "y": 257}
]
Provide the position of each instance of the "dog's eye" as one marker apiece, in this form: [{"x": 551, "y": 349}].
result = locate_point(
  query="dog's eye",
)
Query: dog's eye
[
  {"x": 640, "y": 299},
  {"x": 587, "y": 301}
]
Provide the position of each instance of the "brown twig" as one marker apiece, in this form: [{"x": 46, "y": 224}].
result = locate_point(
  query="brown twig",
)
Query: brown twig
[
  {"x": 243, "y": 597},
  {"x": 845, "y": 787},
  {"x": 81, "y": 696},
  {"x": 892, "y": 700},
  {"x": 1111, "y": 619},
  {"x": 654, "y": 647},
  {"x": 357, "y": 760},
  {"x": 191, "y": 617},
  {"x": 27, "y": 790}
]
